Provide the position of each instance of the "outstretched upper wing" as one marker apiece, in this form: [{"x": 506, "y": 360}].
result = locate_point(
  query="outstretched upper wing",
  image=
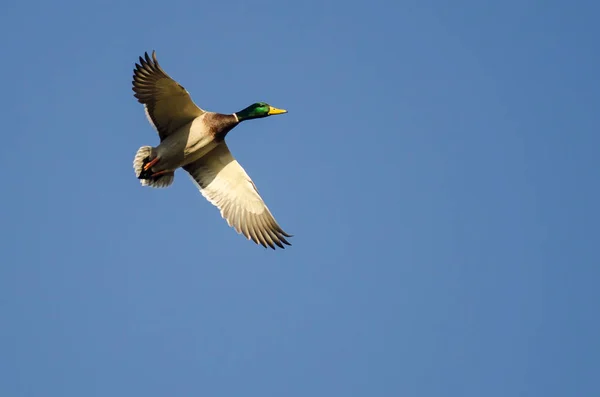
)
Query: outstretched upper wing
[
  {"x": 168, "y": 105},
  {"x": 223, "y": 182}
]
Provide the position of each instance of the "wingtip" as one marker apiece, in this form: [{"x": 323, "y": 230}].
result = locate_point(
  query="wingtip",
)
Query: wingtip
[{"x": 148, "y": 59}]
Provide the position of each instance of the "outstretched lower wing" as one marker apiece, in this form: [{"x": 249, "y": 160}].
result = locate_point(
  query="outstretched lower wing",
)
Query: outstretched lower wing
[{"x": 223, "y": 182}]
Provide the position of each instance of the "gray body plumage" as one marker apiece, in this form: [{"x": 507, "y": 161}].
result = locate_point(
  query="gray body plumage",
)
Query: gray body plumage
[{"x": 193, "y": 140}]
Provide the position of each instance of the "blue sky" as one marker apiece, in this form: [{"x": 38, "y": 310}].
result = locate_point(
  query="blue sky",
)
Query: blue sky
[{"x": 438, "y": 168}]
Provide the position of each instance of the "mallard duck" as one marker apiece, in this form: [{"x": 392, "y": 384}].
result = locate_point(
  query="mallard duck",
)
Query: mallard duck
[{"x": 194, "y": 139}]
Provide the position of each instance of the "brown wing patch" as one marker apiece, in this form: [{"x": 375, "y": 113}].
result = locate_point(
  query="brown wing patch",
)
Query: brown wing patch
[{"x": 168, "y": 104}]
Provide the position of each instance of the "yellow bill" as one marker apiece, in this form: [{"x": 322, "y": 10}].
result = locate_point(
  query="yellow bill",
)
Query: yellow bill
[{"x": 273, "y": 111}]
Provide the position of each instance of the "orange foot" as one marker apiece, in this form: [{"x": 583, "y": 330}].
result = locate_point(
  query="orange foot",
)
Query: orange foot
[
  {"x": 150, "y": 164},
  {"x": 157, "y": 174}
]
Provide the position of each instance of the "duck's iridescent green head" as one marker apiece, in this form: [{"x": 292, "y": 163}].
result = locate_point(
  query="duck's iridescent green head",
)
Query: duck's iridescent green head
[{"x": 258, "y": 110}]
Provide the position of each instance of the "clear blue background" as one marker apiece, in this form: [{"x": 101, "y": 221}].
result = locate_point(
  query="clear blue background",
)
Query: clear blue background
[{"x": 438, "y": 167}]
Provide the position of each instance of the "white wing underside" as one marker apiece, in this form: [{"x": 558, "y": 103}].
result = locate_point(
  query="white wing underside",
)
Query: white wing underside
[{"x": 226, "y": 185}]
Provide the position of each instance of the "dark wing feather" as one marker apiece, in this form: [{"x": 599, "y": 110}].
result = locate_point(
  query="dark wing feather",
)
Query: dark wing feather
[{"x": 168, "y": 105}]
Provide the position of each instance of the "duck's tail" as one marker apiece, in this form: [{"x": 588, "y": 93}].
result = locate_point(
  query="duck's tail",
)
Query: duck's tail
[{"x": 142, "y": 157}]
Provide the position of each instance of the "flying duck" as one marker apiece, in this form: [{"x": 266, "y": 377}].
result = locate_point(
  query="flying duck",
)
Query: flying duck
[{"x": 194, "y": 139}]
